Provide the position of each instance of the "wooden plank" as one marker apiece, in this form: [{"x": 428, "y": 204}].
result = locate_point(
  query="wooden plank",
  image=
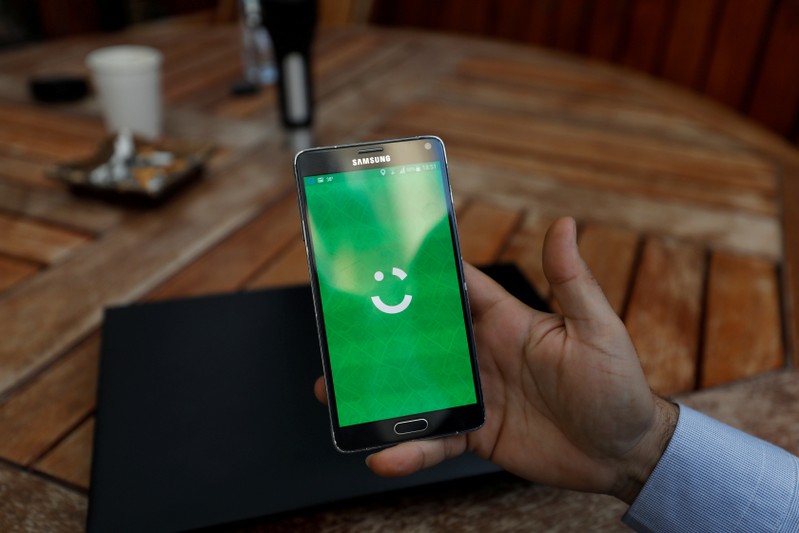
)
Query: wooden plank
[
  {"x": 13, "y": 271},
  {"x": 538, "y": 20},
  {"x": 17, "y": 169},
  {"x": 35, "y": 134},
  {"x": 61, "y": 305},
  {"x": 689, "y": 42},
  {"x": 525, "y": 247},
  {"x": 649, "y": 22},
  {"x": 484, "y": 231},
  {"x": 610, "y": 253},
  {"x": 214, "y": 68},
  {"x": 46, "y": 148},
  {"x": 790, "y": 272},
  {"x": 37, "y": 242},
  {"x": 535, "y": 70},
  {"x": 664, "y": 314},
  {"x": 243, "y": 106},
  {"x": 734, "y": 59},
  {"x": 59, "y": 208},
  {"x": 743, "y": 331},
  {"x": 71, "y": 460},
  {"x": 226, "y": 266},
  {"x": 776, "y": 96},
  {"x": 570, "y": 25},
  {"x": 472, "y": 20},
  {"x": 469, "y": 89},
  {"x": 609, "y": 27},
  {"x": 619, "y": 177},
  {"x": 51, "y": 405},
  {"x": 54, "y": 121},
  {"x": 509, "y": 185},
  {"x": 290, "y": 268},
  {"x": 29, "y": 503},
  {"x": 510, "y": 19},
  {"x": 507, "y": 132}
]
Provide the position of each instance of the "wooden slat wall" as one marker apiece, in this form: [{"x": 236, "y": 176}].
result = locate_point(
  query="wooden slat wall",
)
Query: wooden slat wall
[{"x": 741, "y": 53}]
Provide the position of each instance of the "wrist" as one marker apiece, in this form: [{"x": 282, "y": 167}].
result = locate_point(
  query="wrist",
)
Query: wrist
[{"x": 638, "y": 466}]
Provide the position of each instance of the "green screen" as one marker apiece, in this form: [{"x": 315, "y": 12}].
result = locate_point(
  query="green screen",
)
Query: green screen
[{"x": 389, "y": 292}]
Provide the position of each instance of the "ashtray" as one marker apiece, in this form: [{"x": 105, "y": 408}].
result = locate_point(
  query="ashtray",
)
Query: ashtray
[{"x": 129, "y": 168}]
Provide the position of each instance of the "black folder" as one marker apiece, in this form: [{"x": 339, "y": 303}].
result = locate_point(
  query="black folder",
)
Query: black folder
[{"x": 206, "y": 415}]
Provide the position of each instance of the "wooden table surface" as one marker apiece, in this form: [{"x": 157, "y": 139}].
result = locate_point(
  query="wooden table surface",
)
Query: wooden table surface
[{"x": 687, "y": 216}]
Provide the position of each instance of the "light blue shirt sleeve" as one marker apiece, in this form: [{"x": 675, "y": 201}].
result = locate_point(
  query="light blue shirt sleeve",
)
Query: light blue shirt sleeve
[{"x": 713, "y": 477}]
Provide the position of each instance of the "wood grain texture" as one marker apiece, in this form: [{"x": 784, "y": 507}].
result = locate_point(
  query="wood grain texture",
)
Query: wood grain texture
[
  {"x": 47, "y": 408},
  {"x": 54, "y": 124},
  {"x": 775, "y": 101},
  {"x": 689, "y": 43},
  {"x": 71, "y": 459},
  {"x": 742, "y": 317},
  {"x": 664, "y": 314},
  {"x": 540, "y": 101},
  {"x": 609, "y": 27},
  {"x": 650, "y": 21},
  {"x": 12, "y": 271},
  {"x": 62, "y": 305},
  {"x": 58, "y": 208},
  {"x": 511, "y": 22},
  {"x": 610, "y": 253},
  {"x": 570, "y": 24},
  {"x": 724, "y": 48},
  {"x": 725, "y": 230},
  {"x": 484, "y": 231},
  {"x": 37, "y": 242},
  {"x": 790, "y": 271},
  {"x": 226, "y": 266},
  {"x": 735, "y": 52},
  {"x": 291, "y": 268},
  {"x": 22, "y": 171},
  {"x": 531, "y": 136},
  {"x": 580, "y": 146}
]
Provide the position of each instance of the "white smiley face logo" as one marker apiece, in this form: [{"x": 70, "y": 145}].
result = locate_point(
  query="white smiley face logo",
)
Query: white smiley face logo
[{"x": 392, "y": 309}]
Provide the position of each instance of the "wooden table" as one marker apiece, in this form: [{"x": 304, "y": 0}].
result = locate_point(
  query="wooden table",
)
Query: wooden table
[{"x": 687, "y": 215}]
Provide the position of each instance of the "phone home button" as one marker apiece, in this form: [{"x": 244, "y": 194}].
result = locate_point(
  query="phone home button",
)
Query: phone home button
[{"x": 410, "y": 426}]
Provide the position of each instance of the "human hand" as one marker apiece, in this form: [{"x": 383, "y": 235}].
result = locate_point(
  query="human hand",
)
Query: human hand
[{"x": 567, "y": 403}]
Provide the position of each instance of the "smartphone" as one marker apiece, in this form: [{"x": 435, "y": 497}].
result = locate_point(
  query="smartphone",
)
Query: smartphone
[{"x": 395, "y": 330}]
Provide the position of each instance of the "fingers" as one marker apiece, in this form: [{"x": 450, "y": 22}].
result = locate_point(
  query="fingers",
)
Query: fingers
[
  {"x": 575, "y": 289},
  {"x": 319, "y": 390},
  {"x": 410, "y": 457}
]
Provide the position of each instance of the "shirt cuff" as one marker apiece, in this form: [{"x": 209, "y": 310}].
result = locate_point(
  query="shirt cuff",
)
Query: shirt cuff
[{"x": 713, "y": 477}]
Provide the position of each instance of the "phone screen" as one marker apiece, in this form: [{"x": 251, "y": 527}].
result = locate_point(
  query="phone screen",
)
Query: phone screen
[{"x": 387, "y": 269}]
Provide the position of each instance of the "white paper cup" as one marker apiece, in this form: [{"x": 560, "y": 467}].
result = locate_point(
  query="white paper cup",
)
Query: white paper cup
[{"x": 127, "y": 80}]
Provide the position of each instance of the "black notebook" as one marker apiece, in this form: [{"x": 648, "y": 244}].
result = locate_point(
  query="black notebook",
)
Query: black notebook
[{"x": 206, "y": 415}]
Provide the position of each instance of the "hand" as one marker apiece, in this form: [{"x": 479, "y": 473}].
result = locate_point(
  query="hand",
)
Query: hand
[{"x": 567, "y": 403}]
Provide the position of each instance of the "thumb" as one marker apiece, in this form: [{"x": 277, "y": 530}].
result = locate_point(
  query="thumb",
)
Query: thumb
[{"x": 573, "y": 286}]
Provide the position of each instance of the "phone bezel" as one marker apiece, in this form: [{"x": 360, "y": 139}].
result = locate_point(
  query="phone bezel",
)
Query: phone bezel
[{"x": 377, "y": 434}]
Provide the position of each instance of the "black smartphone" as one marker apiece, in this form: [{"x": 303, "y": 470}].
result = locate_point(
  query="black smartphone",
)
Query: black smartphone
[{"x": 392, "y": 311}]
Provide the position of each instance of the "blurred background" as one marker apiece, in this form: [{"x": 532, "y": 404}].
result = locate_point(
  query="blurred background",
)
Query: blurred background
[{"x": 741, "y": 53}]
